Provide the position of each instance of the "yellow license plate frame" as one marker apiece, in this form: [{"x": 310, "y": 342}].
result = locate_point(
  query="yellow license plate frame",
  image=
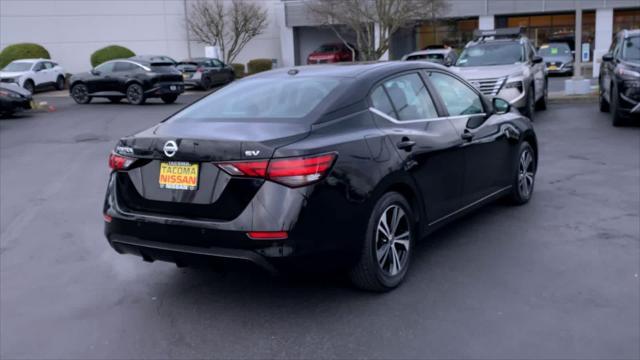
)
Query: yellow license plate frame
[
  {"x": 179, "y": 175},
  {"x": 552, "y": 67}
]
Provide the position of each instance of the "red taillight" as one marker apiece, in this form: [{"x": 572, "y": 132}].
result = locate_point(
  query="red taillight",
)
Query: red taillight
[
  {"x": 107, "y": 218},
  {"x": 292, "y": 172},
  {"x": 268, "y": 235},
  {"x": 119, "y": 162}
]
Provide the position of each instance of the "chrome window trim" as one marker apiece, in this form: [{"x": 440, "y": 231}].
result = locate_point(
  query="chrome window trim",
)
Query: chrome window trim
[{"x": 395, "y": 121}]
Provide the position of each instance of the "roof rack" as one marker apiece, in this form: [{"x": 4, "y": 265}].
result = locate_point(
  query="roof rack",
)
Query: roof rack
[{"x": 514, "y": 32}]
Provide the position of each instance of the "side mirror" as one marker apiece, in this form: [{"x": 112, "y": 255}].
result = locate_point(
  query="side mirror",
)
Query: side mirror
[
  {"x": 607, "y": 57},
  {"x": 500, "y": 106},
  {"x": 95, "y": 72},
  {"x": 536, "y": 59}
]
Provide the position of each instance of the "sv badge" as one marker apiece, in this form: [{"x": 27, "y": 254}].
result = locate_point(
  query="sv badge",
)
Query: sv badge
[{"x": 251, "y": 152}]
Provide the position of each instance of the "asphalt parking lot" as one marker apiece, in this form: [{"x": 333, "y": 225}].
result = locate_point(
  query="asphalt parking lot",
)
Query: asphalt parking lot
[{"x": 557, "y": 278}]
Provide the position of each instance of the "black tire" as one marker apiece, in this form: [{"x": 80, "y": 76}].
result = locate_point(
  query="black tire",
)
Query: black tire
[
  {"x": 115, "y": 100},
  {"x": 542, "y": 103},
  {"x": 206, "y": 84},
  {"x": 604, "y": 104},
  {"x": 60, "y": 82},
  {"x": 80, "y": 93},
  {"x": 370, "y": 272},
  {"x": 530, "y": 107},
  {"x": 525, "y": 174},
  {"x": 29, "y": 86},
  {"x": 614, "y": 103},
  {"x": 135, "y": 94},
  {"x": 169, "y": 98}
]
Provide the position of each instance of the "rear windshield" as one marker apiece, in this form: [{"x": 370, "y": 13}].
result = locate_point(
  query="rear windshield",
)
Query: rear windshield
[
  {"x": 263, "y": 98},
  {"x": 433, "y": 57},
  {"x": 487, "y": 54},
  {"x": 18, "y": 66}
]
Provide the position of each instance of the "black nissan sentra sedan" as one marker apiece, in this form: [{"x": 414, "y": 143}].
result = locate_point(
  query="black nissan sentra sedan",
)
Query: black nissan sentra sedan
[{"x": 328, "y": 165}]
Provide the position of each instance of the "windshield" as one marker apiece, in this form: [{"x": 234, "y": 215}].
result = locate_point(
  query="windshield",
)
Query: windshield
[
  {"x": 261, "y": 98},
  {"x": 631, "y": 49},
  {"x": 554, "y": 50},
  {"x": 491, "y": 54},
  {"x": 431, "y": 57},
  {"x": 18, "y": 66}
]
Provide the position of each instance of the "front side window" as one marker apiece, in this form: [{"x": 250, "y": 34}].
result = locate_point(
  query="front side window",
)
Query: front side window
[
  {"x": 216, "y": 63},
  {"x": 492, "y": 53},
  {"x": 122, "y": 66},
  {"x": 410, "y": 97},
  {"x": 458, "y": 98},
  {"x": 39, "y": 66},
  {"x": 105, "y": 68},
  {"x": 265, "y": 98}
]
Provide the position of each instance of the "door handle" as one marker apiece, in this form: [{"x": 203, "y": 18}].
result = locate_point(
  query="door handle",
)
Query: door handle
[
  {"x": 406, "y": 144},
  {"x": 467, "y": 135}
]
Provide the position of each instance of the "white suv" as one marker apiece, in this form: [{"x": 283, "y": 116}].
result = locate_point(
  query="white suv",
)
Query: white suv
[{"x": 33, "y": 74}]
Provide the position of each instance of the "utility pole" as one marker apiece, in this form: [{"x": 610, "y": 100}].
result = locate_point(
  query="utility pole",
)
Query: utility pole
[
  {"x": 186, "y": 27},
  {"x": 577, "y": 67}
]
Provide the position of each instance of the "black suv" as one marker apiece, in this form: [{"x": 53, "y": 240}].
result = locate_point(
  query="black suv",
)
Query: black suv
[
  {"x": 620, "y": 78},
  {"x": 135, "y": 80}
]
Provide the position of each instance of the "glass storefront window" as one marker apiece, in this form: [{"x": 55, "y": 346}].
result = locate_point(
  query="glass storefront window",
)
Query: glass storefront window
[{"x": 455, "y": 33}]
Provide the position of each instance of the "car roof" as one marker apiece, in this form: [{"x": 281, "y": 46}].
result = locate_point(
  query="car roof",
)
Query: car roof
[
  {"x": 149, "y": 57},
  {"x": 631, "y": 33},
  {"x": 348, "y": 70},
  {"x": 31, "y": 60}
]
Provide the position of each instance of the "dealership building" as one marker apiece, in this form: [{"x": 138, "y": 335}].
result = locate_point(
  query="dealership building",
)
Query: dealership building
[{"x": 72, "y": 29}]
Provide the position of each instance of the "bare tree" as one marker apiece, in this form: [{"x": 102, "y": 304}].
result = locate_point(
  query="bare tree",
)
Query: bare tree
[
  {"x": 227, "y": 24},
  {"x": 363, "y": 18}
]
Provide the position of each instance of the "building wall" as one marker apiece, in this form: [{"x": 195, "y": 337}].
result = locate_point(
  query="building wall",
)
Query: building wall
[{"x": 73, "y": 29}]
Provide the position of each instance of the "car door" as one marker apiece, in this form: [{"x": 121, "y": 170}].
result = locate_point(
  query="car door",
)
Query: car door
[
  {"x": 50, "y": 72},
  {"x": 122, "y": 72},
  {"x": 427, "y": 143},
  {"x": 39, "y": 73},
  {"x": 487, "y": 140},
  {"x": 100, "y": 78},
  {"x": 216, "y": 70},
  {"x": 537, "y": 70},
  {"x": 609, "y": 68}
]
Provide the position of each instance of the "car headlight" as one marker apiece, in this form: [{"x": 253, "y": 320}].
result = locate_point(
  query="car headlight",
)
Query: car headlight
[
  {"x": 10, "y": 94},
  {"x": 626, "y": 73},
  {"x": 514, "y": 84},
  {"x": 10, "y": 80}
]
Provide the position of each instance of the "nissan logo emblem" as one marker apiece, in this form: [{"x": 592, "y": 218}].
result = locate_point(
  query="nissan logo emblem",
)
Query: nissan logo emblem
[{"x": 170, "y": 148}]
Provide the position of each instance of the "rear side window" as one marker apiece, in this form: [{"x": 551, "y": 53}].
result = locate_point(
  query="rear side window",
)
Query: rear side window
[
  {"x": 265, "y": 98},
  {"x": 124, "y": 66},
  {"x": 380, "y": 101},
  {"x": 458, "y": 98},
  {"x": 410, "y": 98}
]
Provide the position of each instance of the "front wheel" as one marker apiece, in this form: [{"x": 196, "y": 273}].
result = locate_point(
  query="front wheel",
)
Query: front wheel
[
  {"x": 542, "y": 103},
  {"x": 616, "y": 116},
  {"x": 169, "y": 98},
  {"x": 60, "y": 83},
  {"x": 524, "y": 179},
  {"x": 604, "y": 105},
  {"x": 385, "y": 255},
  {"x": 80, "y": 94},
  {"x": 29, "y": 86},
  {"x": 530, "y": 107},
  {"x": 135, "y": 94}
]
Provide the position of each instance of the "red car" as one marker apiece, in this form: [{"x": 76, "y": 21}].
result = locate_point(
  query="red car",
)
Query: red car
[{"x": 330, "y": 53}]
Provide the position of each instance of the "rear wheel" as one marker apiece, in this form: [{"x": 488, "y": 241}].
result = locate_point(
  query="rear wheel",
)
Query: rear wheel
[
  {"x": 206, "y": 83},
  {"x": 80, "y": 93},
  {"x": 60, "y": 82},
  {"x": 386, "y": 251},
  {"x": 29, "y": 86},
  {"x": 169, "y": 99},
  {"x": 524, "y": 179},
  {"x": 530, "y": 107},
  {"x": 135, "y": 94}
]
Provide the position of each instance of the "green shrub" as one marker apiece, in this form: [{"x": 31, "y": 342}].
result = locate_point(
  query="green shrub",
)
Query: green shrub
[
  {"x": 238, "y": 69},
  {"x": 111, "y": 52},
  {"x": 22, "y": 51},
  {"x": 258, "y": 65}
]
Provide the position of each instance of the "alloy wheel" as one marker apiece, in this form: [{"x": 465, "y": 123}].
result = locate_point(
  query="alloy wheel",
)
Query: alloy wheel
[
  {"x": 80, "y": 93},
  {"x": 134, "y": 94},
  {"x": 526, "y": 173},
  {"x": 393, "y": 237}
]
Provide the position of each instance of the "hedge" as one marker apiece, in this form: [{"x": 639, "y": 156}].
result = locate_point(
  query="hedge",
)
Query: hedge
[
  {"x": 110, "y": 53},
  {"x": 258, "y": 65},
  {"x": 238, "y": 69},
  {"x": 22, "y": 51}
]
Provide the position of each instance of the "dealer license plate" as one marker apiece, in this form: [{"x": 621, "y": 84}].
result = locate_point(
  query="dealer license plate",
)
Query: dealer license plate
[
  {"x": 178, "y": 175},
  {"x": 552, "y": 67}
]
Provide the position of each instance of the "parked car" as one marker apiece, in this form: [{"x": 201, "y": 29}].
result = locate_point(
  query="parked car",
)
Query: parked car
[
  {"x": 136, "y": 81},
  {"x": 620, "y": 78},
  {"x": 504, "y": 63},
  {"x": 331, "y": 53},
  {"x": 205, "y": 72},
  {"x": 557, "y": 57},
  {"x": 320, "y": 165},
  {"x": 154, "y": 59},
  {"x": 14, "y": 98},
  {"x": 446, "y": 56},
  {"x": 33, "y": 74}
]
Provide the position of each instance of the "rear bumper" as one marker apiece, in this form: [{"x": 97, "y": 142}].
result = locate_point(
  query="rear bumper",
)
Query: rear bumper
[{"x": 174, "y": 88}]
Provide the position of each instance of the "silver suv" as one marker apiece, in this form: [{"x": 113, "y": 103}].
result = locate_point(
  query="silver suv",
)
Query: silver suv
[{"x": 504, "y": 63}]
